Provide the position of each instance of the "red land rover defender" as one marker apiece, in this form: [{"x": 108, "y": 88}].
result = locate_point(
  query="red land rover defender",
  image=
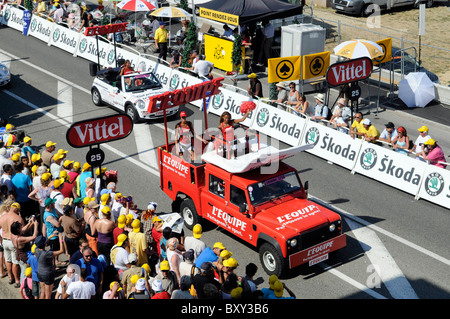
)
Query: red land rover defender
[{"x": 269, "y": 211}]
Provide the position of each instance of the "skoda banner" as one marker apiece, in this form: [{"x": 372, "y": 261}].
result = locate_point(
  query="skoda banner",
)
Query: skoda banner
[
  {"x": 340, "y": 149},
  {"x": 392, "y": 168},
  {"x": 230, "y": 101},
  {"x": 436, "y": 186},
  {"x": 278, "y": 124},
  {"x": 26, "y": 21}
]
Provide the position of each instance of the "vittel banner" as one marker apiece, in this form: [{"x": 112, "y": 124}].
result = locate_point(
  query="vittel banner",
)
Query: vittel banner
[
  {"x": 331, "y": 145},
  {"x": 435, "y": 186},
  {"x": 392, "y": 168},
  {"x": 41, "y": 29},
  {"x": 64, "y": 38}
]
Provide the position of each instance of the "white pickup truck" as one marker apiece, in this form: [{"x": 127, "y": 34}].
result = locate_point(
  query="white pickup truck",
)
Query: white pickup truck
[{"x": 129, "y": 93}]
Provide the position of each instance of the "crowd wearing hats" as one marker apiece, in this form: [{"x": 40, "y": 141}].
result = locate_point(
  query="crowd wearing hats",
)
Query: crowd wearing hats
[{"x": 113, "y": 249}]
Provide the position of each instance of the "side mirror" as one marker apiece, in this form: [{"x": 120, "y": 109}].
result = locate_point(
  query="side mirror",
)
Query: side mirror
[
  {"x": 306, "y": 185},
  {"x": 116, "y": 90}
]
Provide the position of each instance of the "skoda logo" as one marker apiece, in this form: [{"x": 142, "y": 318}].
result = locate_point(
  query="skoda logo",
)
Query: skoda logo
[
  {"x": 368, "y": 158},
  {"x": 312, "y": 135},
  {"x": 434, "y": 184},
  {"x": 217, "y": 101},
  {"x": 7, "y": 14},
  {"x": 56, "y": 34},
  {"x": 33, "y": 25},
  {"x": 83, "y": 45},
  {"x": 174, "y": 81},
  {"x": 110, "y": 58},
  {"x": 262, "y": 117}
]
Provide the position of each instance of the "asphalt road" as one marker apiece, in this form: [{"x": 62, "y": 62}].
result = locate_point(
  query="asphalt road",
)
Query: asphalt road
[{"x": 397, "y": 246}]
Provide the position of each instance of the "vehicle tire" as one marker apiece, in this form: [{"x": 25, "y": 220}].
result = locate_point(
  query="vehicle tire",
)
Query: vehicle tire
[
  {"x": 189, "y": 213},
  {"x": 131, "y": 111},
  {"x": 366, "y": 10},
  {"x": 96, "y": 97},
  {"x": 273, "y": 263}
]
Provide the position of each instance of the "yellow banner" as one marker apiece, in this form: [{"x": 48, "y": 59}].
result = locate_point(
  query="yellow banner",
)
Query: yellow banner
[
  {"x": 219, "y": 16},
  {"x": 284, "y": 69},
  {"x": 386, "y": 44},
  {"x": 315, "y": 65},
  {"x": 219, "y": 51}
]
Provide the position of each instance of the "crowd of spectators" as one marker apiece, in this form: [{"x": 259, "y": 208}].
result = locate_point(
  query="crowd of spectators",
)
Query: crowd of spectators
[{"x": 61, "y": 218}]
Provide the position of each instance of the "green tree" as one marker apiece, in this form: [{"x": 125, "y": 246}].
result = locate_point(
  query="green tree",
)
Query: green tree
[
  {"x": 184, "y": 5},
  {"x": 190, "y": 45},
  {"x": 28, "y": 4},
  {"x": 236, "y": 55}
]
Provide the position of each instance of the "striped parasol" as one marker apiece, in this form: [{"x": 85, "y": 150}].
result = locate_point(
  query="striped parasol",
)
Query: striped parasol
[
  {"x": 135, "y": 5},
  {"x": 359, "y": 48},
  {"x": 170, "y": 12}
]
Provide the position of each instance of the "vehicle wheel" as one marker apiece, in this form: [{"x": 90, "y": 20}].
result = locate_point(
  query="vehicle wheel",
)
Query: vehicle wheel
[
  {"x": 189, "y": 213},
  {"x": 131, "y": 111},
  {"x": 96, "y": 97},
  {"x": 367, "y": 10},
  {"x": 271, "y": 260}
]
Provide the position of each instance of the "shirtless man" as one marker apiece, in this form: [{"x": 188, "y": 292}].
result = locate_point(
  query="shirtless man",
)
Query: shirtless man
[{"x": 12, "y": 265}]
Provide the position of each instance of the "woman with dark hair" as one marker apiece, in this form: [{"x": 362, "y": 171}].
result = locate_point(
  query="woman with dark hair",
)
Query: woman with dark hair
[
  {"x": 22, "y": 244},
  {"x": 46, "y": 265},
  {"x": 401, "y": 142},
  {"x": 72, "y": 229}
]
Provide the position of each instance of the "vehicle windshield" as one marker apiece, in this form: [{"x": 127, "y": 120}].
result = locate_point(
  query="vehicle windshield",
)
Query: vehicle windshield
[
  {"x": 139, "y": 82},
  {"x": 273, "y": 187}
]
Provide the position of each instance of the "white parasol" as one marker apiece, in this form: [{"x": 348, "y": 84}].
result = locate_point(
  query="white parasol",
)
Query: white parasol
[{"x": 416, "y": 89}]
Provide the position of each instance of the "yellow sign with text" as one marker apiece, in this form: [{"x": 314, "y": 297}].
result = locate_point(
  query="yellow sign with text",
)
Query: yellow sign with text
[
  {"x": 386, "y": 44},
  {"x": 315, "y": 65},
  {"x": 219, "y": 16},
  {"x": 219, "y": 51},
  {"x": 284, "y": 69}
]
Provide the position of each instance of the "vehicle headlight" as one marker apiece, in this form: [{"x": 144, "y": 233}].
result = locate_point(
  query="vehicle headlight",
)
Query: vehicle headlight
[
  {"x": 332, "y": 227},
  {"x": 292, "y": 242},
  {"x": 140, "y": 104}
]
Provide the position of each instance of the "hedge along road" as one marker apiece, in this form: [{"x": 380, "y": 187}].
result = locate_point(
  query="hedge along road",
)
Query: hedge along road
[{"x": 400, "y": 217}]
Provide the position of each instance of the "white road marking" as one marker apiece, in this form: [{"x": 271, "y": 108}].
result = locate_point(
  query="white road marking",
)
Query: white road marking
[
  {"x": 65, "y": 105},
  {"x": 144, "y": 143},
  {"x": 386, "y": 267}
]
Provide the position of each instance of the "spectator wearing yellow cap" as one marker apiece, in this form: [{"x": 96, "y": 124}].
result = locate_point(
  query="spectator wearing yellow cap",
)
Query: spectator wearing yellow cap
[
  {"x": 210, "y": 254},
  {"x": 267, "y": 291},
  {"x": 194, "y": 242},
  {"x": 55, "y": 166},
  {"x": 46, "y": 154},
  {"x": 105, "y": 226},
  {"x": 167, "y": 277},
  {"x": 254, "y": 87},
  {"x": 43, "y": 190},
  {"x": 433, "y": 153},
  {"x": 138, "y": 243},
  {"x": 100, "y": 181},
  {"x": 157, "y": 230},
  {"x": 27, "y": 150},
  {"x": 133, "y": 270},
  {"x": 420, "y": 140},
  {"x": 57, "y": 195},
  {"x": 80, "y": 185},
  {"x": 278, "y": 291},
  {"x": 22, "y": 185},
  {"x": 228, "y": 267},
  {"x": 119, "y": 254}
]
